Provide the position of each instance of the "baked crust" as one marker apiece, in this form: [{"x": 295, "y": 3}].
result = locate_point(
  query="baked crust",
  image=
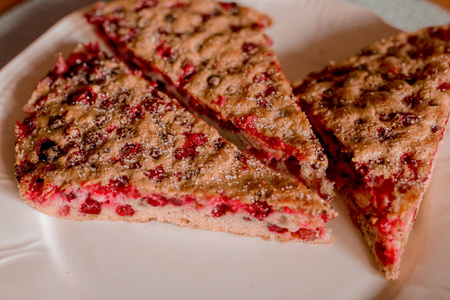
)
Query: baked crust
[
  {"x": 102, "y": 143},
  {"x": 381, "y": 115},
  {"x": 215, "y": 58}
]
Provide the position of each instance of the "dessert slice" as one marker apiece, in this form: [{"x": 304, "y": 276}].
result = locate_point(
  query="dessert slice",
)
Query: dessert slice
[
  {"x": 101, "y": 143},
  {"x": 381, "y": 115},
  {"x": 215, "y": 58}
]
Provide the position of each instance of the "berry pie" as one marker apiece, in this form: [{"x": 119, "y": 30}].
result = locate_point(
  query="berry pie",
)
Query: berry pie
[
  {"x": 215, "y": 58},
  {"x": 102, "y": 143},
  {"x": 380, "y": 115}
]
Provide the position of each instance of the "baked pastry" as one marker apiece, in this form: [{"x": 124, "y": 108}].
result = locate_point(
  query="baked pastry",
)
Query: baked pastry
[
  {"x": 381, "y": 115},
  {"x": 102, "y": 143},
  {"x": 215, "y": 58}
]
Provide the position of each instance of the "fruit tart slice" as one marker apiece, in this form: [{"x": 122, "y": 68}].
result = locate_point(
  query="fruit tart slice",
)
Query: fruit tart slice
[
  {"x": 215, "y": 58},
  {"x": 381, "y": 115},
  {"x": 102, "y": 143}
]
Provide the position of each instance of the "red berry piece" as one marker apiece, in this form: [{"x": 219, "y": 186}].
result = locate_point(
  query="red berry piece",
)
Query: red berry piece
[
  {"x": 64, "y": 211},
  {"x": 141, "y": 4},
  {"x": 179, "y": 5},
  {"x": 56, "y": 122},
  {"x": 35, "y": 187},
  {"x": 220, "y": 101},
  {"x": 156, "y": 175},
  {"x": 24, "y": 168},
  {"x": 26, "y": 128},
  {"x": 94, "y": 138},
  {"x": 232, "y": 8},
  {"x": 249, "y": 48},
  {"x": 59, "y": 68},
  {"x": 444, "y": 86},
  {"x": 157, "y": 200},
  {"x": 258, "y": 209},
  {"x": 413, "y": 101},
  {"x": 125, "y": 210},
  {"x": 91, "y": 207},
  {"x": 277, "y": 229},
  {"x": 193, "y": 140},
  {"x": 187, "y": 71},
  {"x": 386, "y": 257},
  {"x": 219, "y": 210},
  {"x": 260, "y": 78},
  {"x": 84, "y": 96},
  {"x": 119, "y": 185},
  {"x": 409, "y": 119},
  {"x": 440, "y": 33},
  {"x": 387, "y": 117},
  {"x": 165, "y": 51},
  {"x": 385, "y": 134},
  {"x": 219, "y": 144},
  {"x": 307, "y": 234},
  {"x": 47, "y": 150},
  {"x": 133, "y": 112},
  {"x": 130, "y": 150}
]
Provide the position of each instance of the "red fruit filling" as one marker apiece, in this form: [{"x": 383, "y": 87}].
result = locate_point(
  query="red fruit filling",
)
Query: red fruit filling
[
  {"x": 165, "y": 51},
  {"x": 26, "y": 128},
  {"x": 231, "y": 7},
  {"x": 258, "y": 209},
  {"x": 84, "y": 96},
  {"x": 130, "y": 150},
  {"x": 156, "y": 175},
  {"x": 125, "y": 210},
  {"x": 219, "y": 210},
  {"x": 277, "y": 229},
  {"x": 189, "y": 149},
  {"x": 91, "y": 207},
  {"x": 220, "y": 101},
  {"x": 141, "y": 4},
  {"x": 24, "y": 168},
  {"x": 387, "y": 257},
  {"x": 35, "y": 188},
  {"x": 187, "y": 71},
  {"x": 47, "y": 150},
  {"x": 249, "y": 48}
]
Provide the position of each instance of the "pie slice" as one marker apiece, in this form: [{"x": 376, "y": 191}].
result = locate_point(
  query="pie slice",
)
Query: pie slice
[
  {"x": 381, "y": 115},
  {"x": 215, "y": 58},
  {"x": 102, "y": 143}
]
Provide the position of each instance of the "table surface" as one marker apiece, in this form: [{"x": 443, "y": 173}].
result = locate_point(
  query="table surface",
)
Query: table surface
[{"x": 8, "y": 4}]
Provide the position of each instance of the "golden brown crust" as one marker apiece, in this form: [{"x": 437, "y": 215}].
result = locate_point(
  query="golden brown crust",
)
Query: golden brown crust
[
  {"x": 381, "y": 114},
  {"x": 101, "y": 141},
  {"x": 217, "y": 54}
]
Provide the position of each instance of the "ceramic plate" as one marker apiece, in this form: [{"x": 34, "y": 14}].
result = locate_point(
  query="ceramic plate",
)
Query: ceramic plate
[{"x": 48, "y": 258}]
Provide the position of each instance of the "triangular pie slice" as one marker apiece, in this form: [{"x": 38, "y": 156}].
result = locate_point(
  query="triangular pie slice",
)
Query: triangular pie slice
[
  {"x": 381, "y": 115},
  {"x": 215, "y": 58},
  {"x": 102, "y": 143}
]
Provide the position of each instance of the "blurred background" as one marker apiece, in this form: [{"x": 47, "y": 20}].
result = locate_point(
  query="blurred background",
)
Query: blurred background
[{"x": 22, "y": 21}]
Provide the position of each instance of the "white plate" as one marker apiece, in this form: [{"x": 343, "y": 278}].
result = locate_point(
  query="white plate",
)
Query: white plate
[{"x": 48, "y": 258}]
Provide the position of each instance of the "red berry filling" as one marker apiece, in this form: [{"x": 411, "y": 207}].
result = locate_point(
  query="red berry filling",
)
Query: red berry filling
[
  {"x": 219, "y": 210},
  {"x": 84, "y": 96},
  {"x": 165, "y": 51},
  {"x": 156, "y": 175},
  {"x": 187, "y": 71},
  {"x": 26, "y": 128},
  {"x": 125, "y": 210},
  {"x": 277, "y": 229},
  {"x": 258, "y": 209},
  {"x": 141, "y": 4},
  {"x": 24, "y": 168},
  {"x": 91, "y": 207},
  {"x": 189, "y": 149}
]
